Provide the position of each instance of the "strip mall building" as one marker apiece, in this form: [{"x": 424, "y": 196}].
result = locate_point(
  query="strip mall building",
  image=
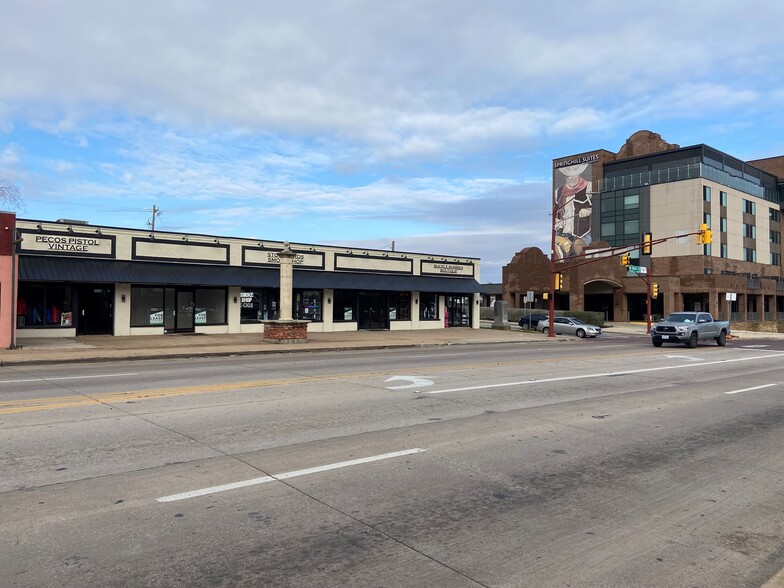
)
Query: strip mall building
[
  {"x": 68, "y": 278},
  {"x": 607, "y": 200}
]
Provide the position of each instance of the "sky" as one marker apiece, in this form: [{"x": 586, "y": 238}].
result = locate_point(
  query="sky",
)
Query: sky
[{"x": 430, "y": 123}]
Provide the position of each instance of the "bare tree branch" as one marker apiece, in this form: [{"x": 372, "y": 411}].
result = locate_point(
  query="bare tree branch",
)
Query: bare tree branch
[{"x": 10, "y": 198}]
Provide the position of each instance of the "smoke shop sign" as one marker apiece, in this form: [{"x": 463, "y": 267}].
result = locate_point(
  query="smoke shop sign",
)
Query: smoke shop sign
[{"x": 54, "y": 243}]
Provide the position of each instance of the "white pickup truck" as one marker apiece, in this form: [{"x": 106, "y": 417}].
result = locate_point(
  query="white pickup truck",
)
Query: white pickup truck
[{"x": 689, "y": 328}]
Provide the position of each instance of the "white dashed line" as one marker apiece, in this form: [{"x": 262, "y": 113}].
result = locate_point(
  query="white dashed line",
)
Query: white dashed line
[
  {"x": 750, "y": 389},
  {"x": 285, "y": 476}
]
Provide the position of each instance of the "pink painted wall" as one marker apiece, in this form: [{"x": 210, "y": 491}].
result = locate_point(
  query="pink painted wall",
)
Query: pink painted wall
[{"x": 7, "y": 280}]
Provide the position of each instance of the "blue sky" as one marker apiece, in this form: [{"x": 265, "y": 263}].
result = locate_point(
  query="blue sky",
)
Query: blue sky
[{"x": 429, "y": 123}]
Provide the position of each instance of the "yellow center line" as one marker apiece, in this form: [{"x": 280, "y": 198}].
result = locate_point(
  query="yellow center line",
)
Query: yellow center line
[{"x": 52, "y": 403}]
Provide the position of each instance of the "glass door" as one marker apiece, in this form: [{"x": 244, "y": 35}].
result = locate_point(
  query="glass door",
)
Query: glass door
[{"x": 178, "y": 310}]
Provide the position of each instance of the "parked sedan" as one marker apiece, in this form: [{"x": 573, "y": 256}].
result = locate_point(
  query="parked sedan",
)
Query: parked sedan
[
  {"x": 529, "y": 321},
  {"x": 568, "y": 325}
]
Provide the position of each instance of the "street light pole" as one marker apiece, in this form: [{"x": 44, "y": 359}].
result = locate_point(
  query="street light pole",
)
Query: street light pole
[{"x": 551, "y": 318}]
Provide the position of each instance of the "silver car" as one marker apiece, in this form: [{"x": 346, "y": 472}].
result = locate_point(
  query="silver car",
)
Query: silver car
[{"x": 569, "y": 325}]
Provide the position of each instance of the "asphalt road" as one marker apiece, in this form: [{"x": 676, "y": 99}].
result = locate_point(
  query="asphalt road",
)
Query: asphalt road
[{"x": 589, "y": 463}]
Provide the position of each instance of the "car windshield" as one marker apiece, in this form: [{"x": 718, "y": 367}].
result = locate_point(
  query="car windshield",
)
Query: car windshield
[
  {"x": 681, "y": 317},
  {"x": 576, "y": 321}
]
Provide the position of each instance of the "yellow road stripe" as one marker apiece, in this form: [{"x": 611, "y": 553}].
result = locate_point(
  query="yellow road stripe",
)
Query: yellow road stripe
[{"x": 51, "y": 403}]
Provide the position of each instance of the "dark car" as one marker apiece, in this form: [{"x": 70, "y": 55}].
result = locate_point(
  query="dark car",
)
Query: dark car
[{"x": 529, "y": 321}]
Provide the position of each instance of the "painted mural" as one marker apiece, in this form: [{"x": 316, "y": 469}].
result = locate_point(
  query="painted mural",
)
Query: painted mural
[{"x": 573, "y": 207}]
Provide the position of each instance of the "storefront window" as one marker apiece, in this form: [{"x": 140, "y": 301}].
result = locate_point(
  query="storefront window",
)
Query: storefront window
[
  {"x": 209, "y": 306},
  {"x": 400, "y": 306},
  {"x": 146, "y": 307},
  {"x": 250, "y": 306},
  {"x": 307, "y": 305},
  {"x": 459, "y": 311},
  {"x": 43, "y": 305},
  {"x": 428, "y": 306},
  {"x": 345, "y": 306}
]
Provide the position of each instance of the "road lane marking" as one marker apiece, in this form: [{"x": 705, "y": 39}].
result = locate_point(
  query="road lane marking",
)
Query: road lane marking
[
  {"x": 58, "y": 378},
  {"x": 598, "y": 375},
  {"x": 684, "y": 357},
  {"x": 285, "y": 475},
  {"x": 73, "y": 401},
  {"x": 750, "y": 389},
  {"x": 413, "y": 382}
]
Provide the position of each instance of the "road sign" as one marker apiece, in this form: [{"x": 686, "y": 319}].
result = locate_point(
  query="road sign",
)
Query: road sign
[{"x": 637, "y": 269}]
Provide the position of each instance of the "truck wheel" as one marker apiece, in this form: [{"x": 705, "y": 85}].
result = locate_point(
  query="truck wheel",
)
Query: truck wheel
[
  {"x": 692, "y": 342},
  {"x": 721, "y": 340},
  {"x": 657, "y": 342}
]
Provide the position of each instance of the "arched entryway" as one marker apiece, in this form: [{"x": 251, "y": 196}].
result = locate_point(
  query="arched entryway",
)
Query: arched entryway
[{"x": 598, "y": 296}]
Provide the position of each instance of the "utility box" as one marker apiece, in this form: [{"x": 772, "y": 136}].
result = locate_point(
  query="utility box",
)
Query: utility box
[{"x": 501, "y": 315}]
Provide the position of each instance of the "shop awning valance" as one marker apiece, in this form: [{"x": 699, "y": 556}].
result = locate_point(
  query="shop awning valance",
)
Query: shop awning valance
[{"x": 69, "y": 269}]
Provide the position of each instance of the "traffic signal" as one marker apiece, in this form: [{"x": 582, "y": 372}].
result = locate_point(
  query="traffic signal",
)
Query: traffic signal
[
  {"x": 646, "y": 243},
  {"x": 558, "y": 281},
  {"x": 654, "y": 290},
  {"x": 625, "y": 260},
  {"x": 545, "y": 295},
  {"x": 703, "y": 235}
]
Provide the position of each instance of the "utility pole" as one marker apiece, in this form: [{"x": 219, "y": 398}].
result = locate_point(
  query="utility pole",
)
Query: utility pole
[{"x": 155, "y": 212}]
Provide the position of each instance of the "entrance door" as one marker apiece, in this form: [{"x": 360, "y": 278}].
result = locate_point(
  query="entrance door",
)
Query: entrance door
[
  {"x": 373, "y": 311},
  {"x": 178, "y": 310},
  {"x": 458, "y": 311},
  {"x": 95, "y": 312}
]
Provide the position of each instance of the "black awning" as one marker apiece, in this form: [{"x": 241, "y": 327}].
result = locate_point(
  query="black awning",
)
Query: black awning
[{"x": 71, "y": 269}]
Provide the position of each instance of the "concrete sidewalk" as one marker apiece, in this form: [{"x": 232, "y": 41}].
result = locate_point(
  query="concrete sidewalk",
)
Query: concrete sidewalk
[{"x": 108, "y": 348}]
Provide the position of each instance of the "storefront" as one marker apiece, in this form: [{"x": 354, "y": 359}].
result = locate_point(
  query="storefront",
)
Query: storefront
[{"x": 77, "y": 279}]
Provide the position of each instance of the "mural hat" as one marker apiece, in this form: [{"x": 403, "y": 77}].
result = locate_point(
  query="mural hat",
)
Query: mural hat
[{"x": 573, "y": 170}]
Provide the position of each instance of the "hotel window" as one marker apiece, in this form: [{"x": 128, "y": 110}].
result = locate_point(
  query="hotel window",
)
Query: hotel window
[
  {"x": 706, "y": 193},
  {"x": 723, "y": 199},
  {"x": 749, "y": 231},
  {"x": 724, "y": 251},
  {"x": 723, "y": 224},
  {"x": 775, "y": 237},
  {"x": 775, "y": 259},
  {"x": 749, "y": 207},
  {"x": 620, "y": 217},
  {"x": 749, "y": 254},
  {"x": 774, "y": 215}
]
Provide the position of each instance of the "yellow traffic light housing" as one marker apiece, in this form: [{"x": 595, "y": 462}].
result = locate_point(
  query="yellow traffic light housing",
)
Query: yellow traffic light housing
[
  {"x": 654, "y": 290},
  {"x": 625, "y": 260},
  {"x": 702, "y": 234},
  {"x": 558, "y": 281},
  {"x": 545, "y": 296},
  {"x": 646, "y": 243},
  {"x": 707, "y": 237}
]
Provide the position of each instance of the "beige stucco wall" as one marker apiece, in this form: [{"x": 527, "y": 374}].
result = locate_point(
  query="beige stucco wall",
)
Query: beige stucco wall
[{"x": 678, "y": 208}]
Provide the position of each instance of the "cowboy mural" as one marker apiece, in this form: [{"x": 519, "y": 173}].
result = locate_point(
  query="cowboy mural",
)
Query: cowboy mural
[{"x": 572, "y": 210}]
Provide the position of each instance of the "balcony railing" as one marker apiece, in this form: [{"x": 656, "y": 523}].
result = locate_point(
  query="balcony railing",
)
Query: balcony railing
[{"x": 689, "y": 171}]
